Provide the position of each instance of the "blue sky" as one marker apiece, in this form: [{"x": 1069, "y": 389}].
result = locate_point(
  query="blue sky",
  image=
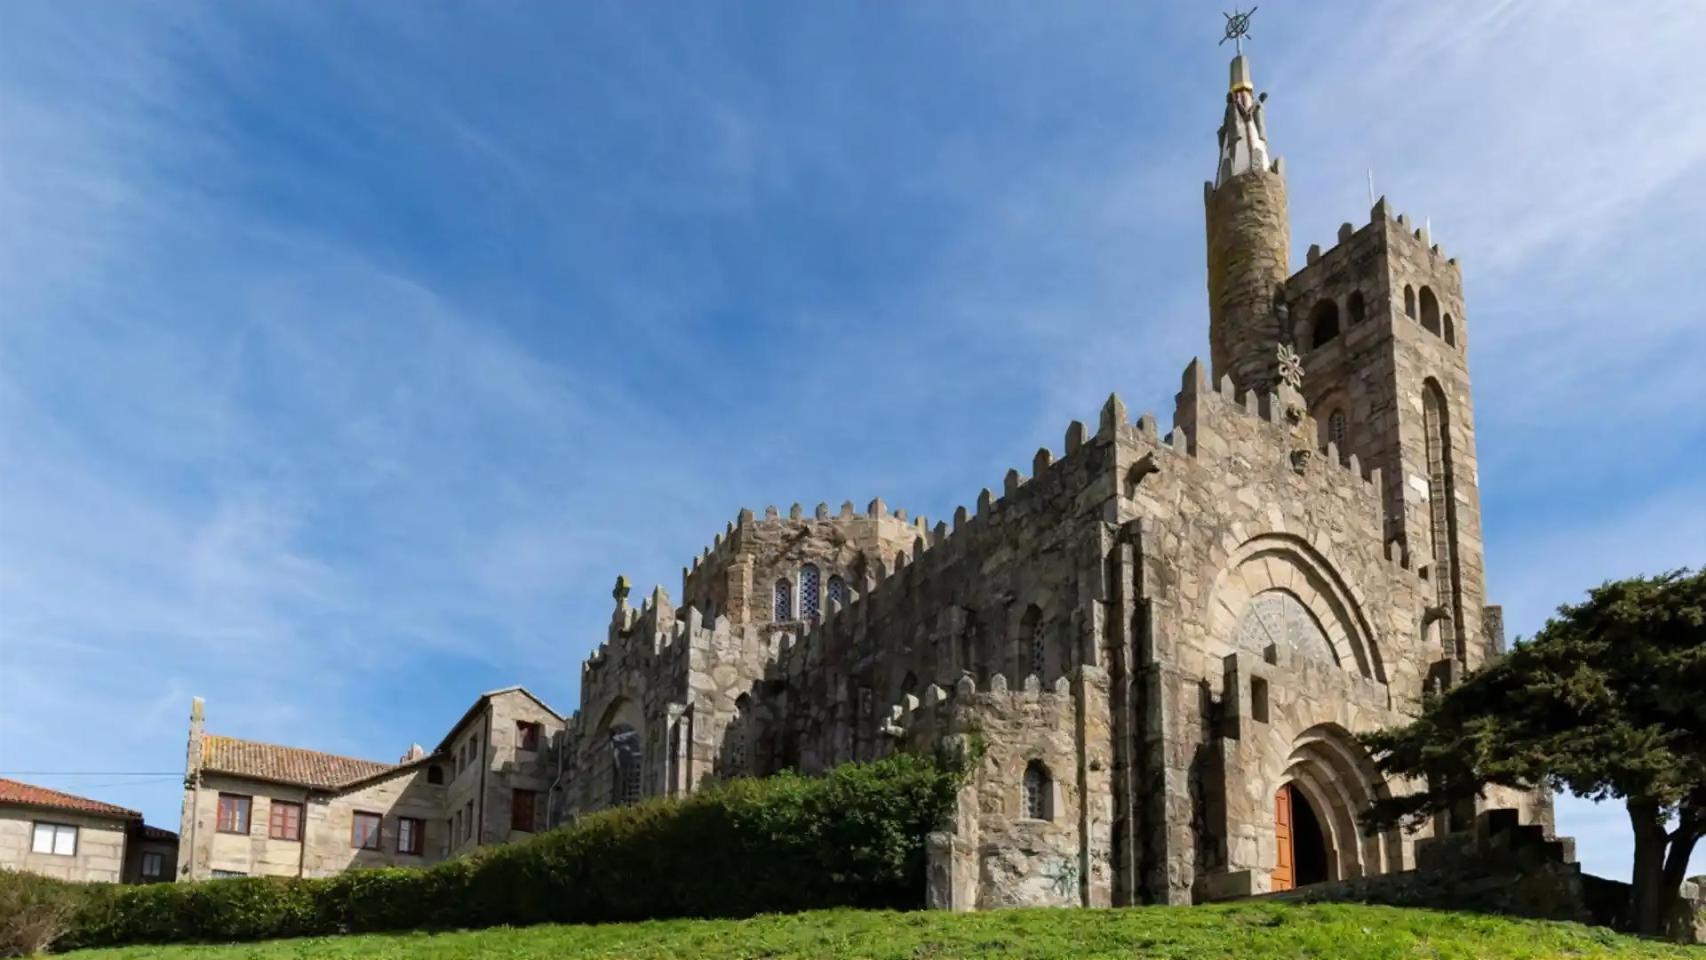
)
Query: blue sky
[{"x": 349, "y": 351}]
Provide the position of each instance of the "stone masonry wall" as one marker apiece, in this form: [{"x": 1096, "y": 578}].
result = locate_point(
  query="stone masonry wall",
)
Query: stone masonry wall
[
  {"x": 1249, "y": 239},
  {"x": 1236, "y": 504},
  {"x": 1376, "y": 372},
  {"x": 99, "y": 856},
  {"x": 1123, "y": 569},
  {"x": 326, "y": 847}
]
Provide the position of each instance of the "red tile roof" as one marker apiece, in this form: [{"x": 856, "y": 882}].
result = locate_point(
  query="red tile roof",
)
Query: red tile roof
[
  {"x": 11, "y": 791},
  {"x": 293, "y": 765}
]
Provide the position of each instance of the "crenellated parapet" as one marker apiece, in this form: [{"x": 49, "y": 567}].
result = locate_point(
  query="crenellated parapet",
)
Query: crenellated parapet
[
  {"x": 739, "y": 573},
  {"x": 1388, "y": 275},
  {"x": 961, "y": 708}
]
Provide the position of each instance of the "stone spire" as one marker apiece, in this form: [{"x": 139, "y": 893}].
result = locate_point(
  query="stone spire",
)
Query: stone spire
[
  {"x": 1249, "y": 237},
  {"x": 1243, "y": 130}
]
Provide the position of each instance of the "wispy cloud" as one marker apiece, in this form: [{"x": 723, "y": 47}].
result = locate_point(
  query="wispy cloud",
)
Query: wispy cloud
[{"x": 347, "y": 354}]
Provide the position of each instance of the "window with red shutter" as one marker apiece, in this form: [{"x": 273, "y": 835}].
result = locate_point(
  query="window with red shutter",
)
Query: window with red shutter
[
  {"x": 410, "y": 835},
  {"x": 285, "y": 821},
  {"x": 364, "y": 831},
  {"x": 233, "y": 813}
]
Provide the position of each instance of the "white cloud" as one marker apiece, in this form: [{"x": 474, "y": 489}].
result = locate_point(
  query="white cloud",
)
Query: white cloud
[{"x": 234, "y": 425}]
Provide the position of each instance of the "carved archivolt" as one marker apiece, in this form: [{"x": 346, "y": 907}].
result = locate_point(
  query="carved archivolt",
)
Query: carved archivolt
[{"x": 1278, "y": 589}]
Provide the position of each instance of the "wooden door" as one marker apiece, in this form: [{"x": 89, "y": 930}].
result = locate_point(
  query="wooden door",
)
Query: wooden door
[{"x": 1284, "y": 876}]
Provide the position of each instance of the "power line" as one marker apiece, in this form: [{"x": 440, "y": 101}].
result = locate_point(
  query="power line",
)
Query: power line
[{"x": 88, "y": 773}]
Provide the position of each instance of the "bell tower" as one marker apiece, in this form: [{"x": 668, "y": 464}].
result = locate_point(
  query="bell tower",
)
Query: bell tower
[{"x": 1249, "y": 238}]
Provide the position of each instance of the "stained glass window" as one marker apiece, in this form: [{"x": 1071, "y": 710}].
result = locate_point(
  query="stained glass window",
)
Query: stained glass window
[
  {"x": 810, "y": 597},
  {"x": 1039, "y": 649},
  {"x": 837, "y": 591},
  {"x": 1336, "y": 429},
  {"x": 626, "y": 756},
  {"x": 784, "y": 600},
  {"x": 1037, "y": 792}
]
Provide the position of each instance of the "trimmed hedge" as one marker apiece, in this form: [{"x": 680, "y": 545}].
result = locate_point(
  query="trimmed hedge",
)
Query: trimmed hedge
[{"x": 853, "y": 838}]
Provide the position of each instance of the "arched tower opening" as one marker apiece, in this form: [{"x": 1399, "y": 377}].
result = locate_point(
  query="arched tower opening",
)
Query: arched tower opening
[
  {"x": 1323, "y": 323},
  {"x": 1430, "y": 311}
]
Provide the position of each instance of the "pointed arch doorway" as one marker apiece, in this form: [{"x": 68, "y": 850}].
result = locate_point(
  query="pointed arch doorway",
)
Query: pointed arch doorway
[{"x": 1301, "y": 856}]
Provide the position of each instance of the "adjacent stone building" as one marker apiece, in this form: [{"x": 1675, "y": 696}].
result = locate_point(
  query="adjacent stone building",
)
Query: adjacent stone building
[
  {"x": 68, "y": 837},
  {"x": 1159, "y": 645},
  {"x": 261, "y": 809}
]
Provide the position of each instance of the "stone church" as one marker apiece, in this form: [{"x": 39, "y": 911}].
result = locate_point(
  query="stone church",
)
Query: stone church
[{"x": 1158, "y": 646}]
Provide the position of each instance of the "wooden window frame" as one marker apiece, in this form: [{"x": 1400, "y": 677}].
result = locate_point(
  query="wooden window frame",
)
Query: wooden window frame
[
  {"x": 355, "y": 830},
  {"x": 248, "y": 809},
  {"x": 273, "y": 826},
  {"x": 415, "y": 828},
  {"x": 159, "y": 860}
]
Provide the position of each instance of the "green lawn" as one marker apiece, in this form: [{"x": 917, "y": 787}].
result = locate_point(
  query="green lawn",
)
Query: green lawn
[{"x": 1243, "y": 931}]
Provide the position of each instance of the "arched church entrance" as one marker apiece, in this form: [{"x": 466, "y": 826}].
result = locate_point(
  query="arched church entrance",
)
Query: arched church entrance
[{"x": 1302, "y": 853}]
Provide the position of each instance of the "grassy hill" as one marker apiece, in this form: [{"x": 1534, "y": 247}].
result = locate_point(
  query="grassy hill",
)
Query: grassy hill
[{"x": 1244, "y": 931}]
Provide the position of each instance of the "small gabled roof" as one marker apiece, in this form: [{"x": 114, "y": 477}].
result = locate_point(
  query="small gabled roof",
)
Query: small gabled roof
[
  {"x": 290, "y": 765},
  {"x": 485, "y": 698},
  {"x": 30, "y": 795}
]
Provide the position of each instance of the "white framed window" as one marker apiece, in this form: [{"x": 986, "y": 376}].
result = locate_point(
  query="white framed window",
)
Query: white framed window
[
  {"x": 228, "y": 874},
  {"x": 57, "y": 839},
  {"x": 784, "y": 600}
]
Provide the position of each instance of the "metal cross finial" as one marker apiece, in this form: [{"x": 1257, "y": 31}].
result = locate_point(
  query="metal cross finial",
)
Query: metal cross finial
[
  {"x": 1290, "y": 366},
  {"x": 1237, "y": 28}
]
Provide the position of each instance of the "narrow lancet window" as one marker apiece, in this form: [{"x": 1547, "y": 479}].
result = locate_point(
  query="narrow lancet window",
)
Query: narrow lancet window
[
  {"x": 810, "y": 599},
  {"x": 1039, "y": 792}
]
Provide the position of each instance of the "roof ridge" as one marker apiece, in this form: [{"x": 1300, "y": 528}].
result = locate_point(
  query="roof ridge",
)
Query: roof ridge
[
  {"x": 285, "y": 746},
  {"x": 280, "y": 763},
  {"x": 50, "y": 797}
]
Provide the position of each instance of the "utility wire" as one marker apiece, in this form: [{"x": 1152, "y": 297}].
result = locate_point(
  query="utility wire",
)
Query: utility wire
[{"x": 89, "y": 773}]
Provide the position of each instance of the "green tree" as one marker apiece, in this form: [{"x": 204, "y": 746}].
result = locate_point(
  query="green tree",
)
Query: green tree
[{"x": 1608, "y": 701}]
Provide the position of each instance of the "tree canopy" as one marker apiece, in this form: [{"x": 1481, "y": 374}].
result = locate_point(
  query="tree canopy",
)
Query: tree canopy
[{"x": 1607, "y": 700}]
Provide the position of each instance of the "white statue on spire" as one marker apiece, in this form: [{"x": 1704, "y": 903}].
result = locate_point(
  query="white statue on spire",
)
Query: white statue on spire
[{"x": 1243, "y": 134}]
